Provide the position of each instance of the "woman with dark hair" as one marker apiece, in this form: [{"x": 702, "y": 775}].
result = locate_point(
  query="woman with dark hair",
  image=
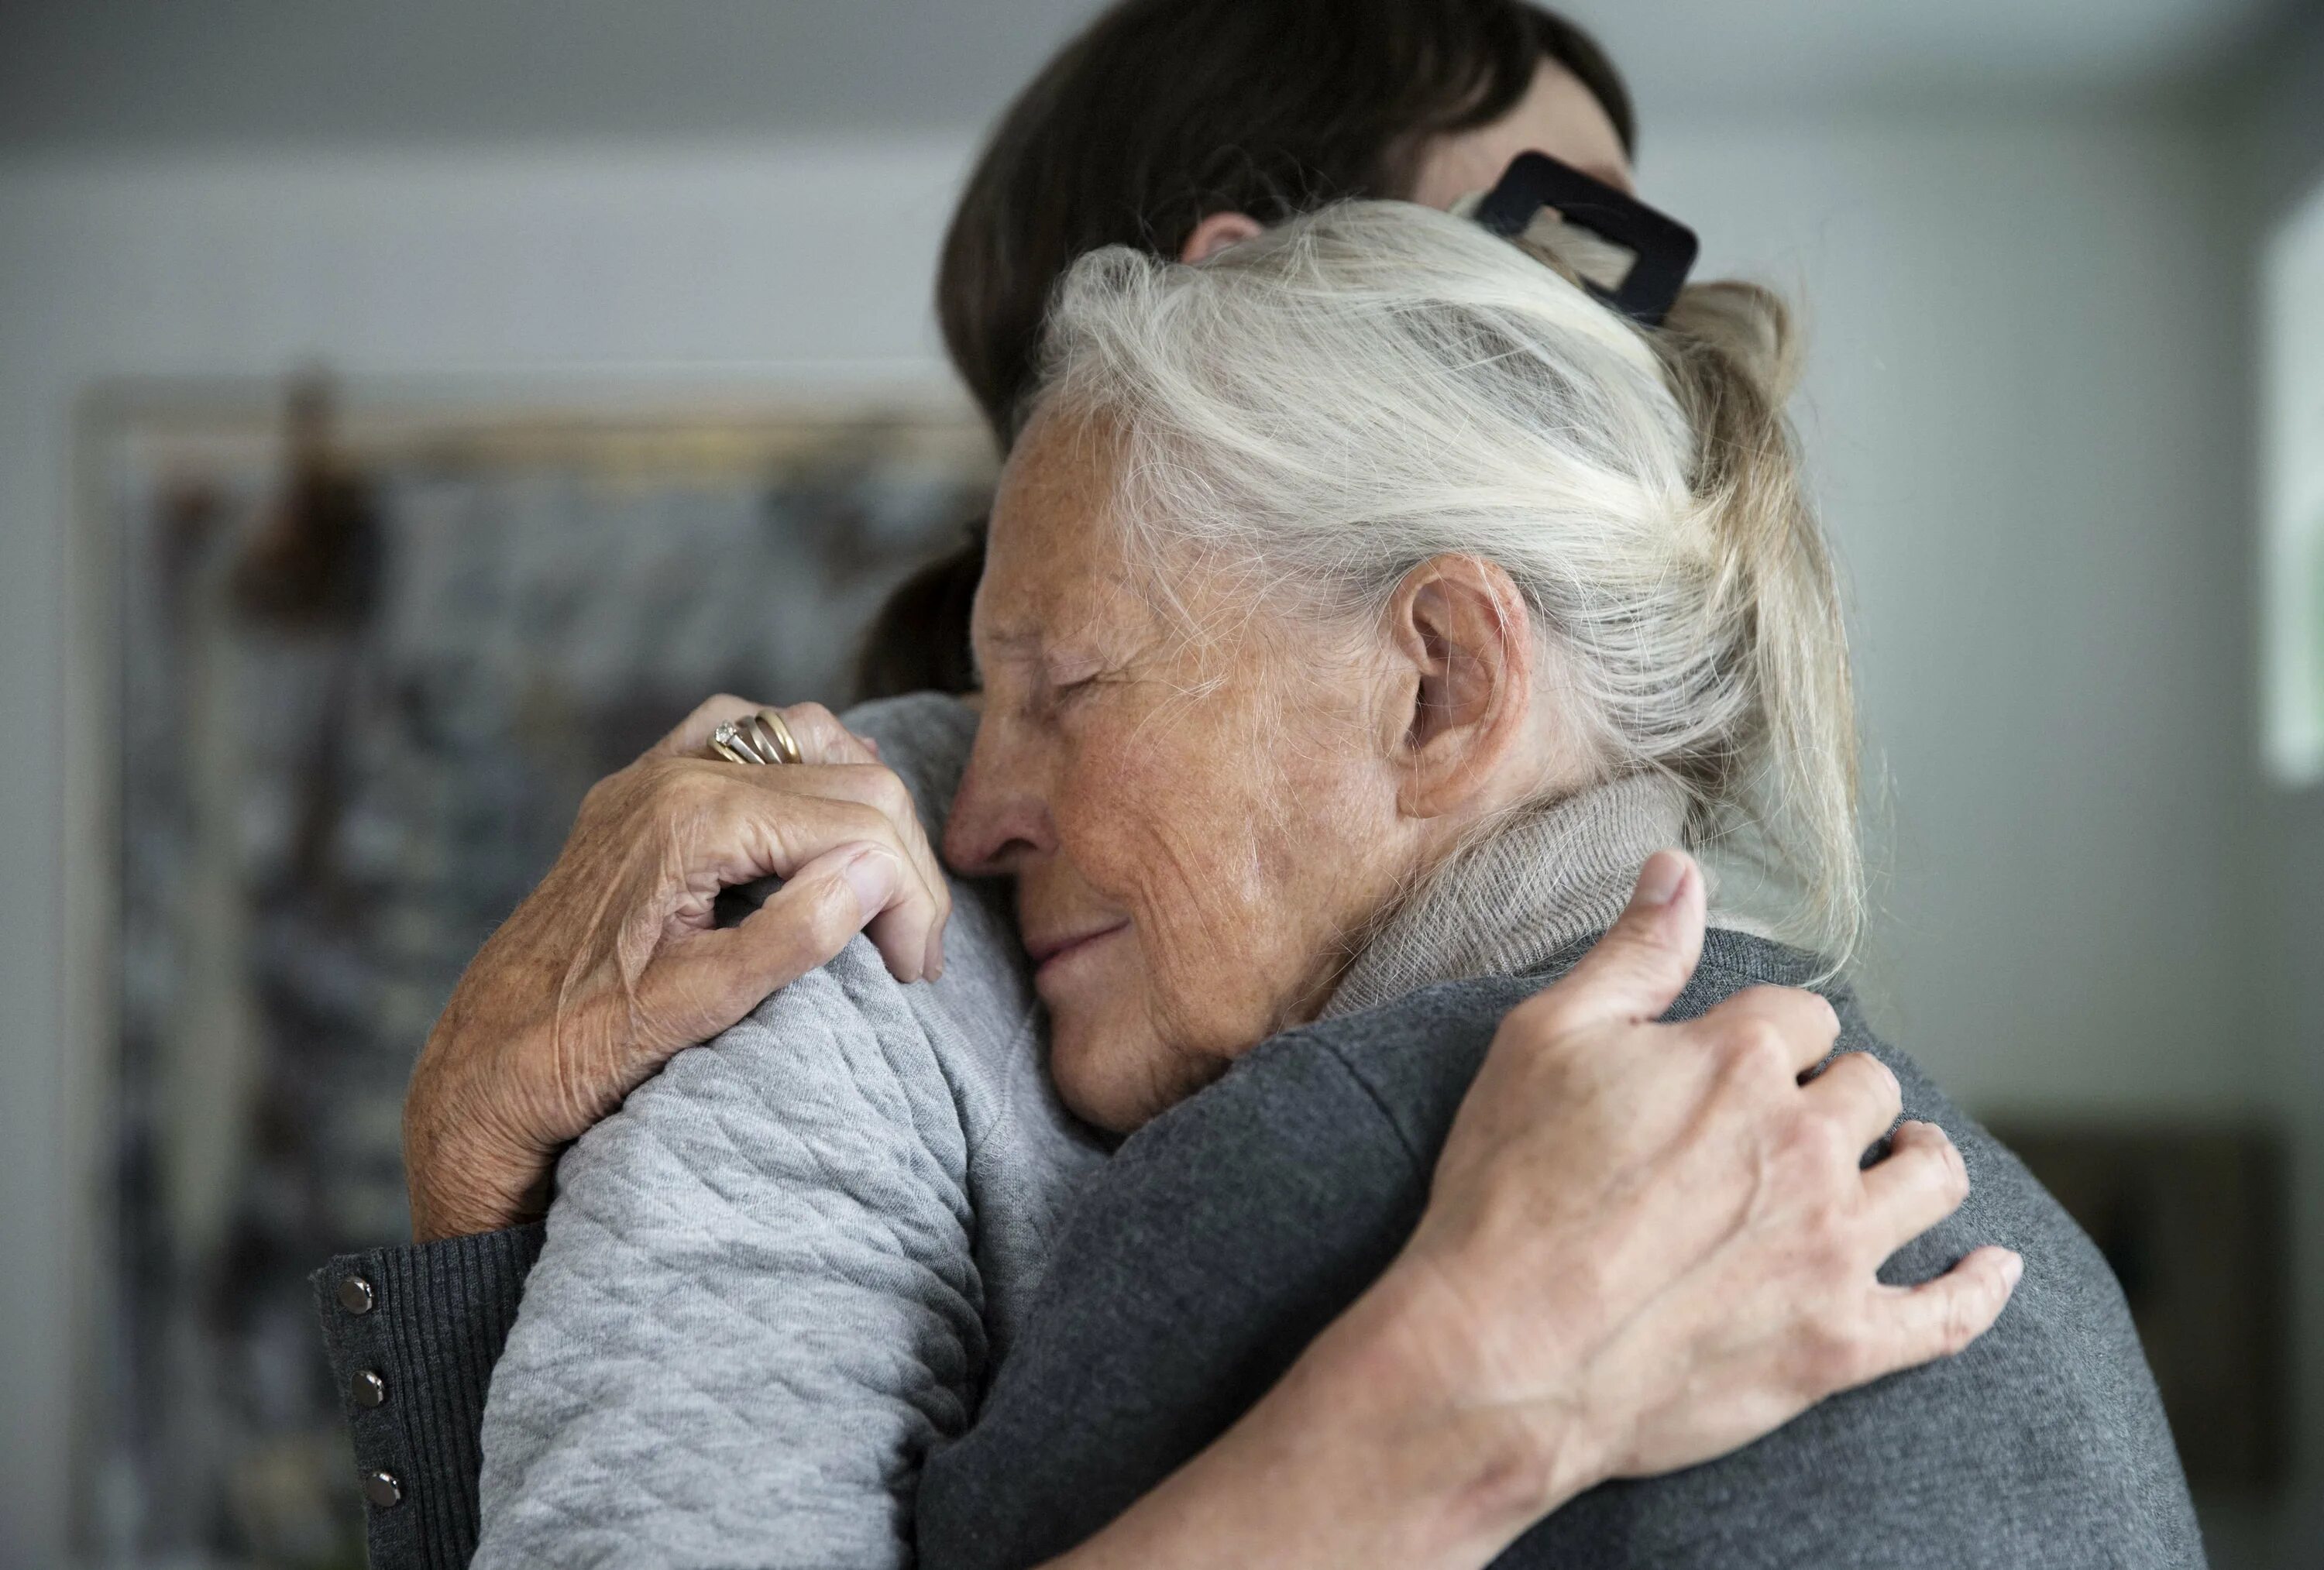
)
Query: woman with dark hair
[
  {"x": 1178, "y": 126},
  {"x": 904, "y": 1303}
]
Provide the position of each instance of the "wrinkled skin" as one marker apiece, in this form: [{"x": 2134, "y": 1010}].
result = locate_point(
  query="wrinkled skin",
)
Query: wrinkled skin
[
  {"x": 1193, "y": 842},
  {"x": 612, "y": 963}
]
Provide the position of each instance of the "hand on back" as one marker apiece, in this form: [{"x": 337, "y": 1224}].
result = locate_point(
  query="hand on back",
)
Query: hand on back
[{"x": 1657, "y": 1237}]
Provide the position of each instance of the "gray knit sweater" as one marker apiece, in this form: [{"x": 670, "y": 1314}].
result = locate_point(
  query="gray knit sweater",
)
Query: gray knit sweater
[{"x": 1225, "y": 1235}]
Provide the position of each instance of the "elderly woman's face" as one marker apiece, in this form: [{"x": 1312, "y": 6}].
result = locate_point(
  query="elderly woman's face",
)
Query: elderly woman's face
[{"x": 1197, "y": 824}]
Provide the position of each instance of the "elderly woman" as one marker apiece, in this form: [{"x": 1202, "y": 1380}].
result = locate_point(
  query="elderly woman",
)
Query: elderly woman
[
  {"x": 1362, "y": 606},
  {"x": 1430, "y": 589}
]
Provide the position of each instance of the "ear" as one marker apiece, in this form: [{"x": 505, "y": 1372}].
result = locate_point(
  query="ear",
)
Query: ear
[
  {"x": 1215, "y": 232},
  {"x": 1461, "y": 648}
]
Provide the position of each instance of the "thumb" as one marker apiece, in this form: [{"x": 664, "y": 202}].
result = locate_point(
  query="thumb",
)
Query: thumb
[
  {"x": 1642, "y": 964},
  {"x": 713, "y": 979}
]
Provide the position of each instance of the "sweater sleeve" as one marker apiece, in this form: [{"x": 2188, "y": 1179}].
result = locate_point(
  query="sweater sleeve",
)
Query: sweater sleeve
[
  {"x": 757, "y": 1305},
  {"x": 411, "y": 1335}
]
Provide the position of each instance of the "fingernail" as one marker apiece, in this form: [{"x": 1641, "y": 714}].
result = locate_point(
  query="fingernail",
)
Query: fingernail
[
  {"x": 1661, "y": 879},
  {"x": 2012, "y": 1267},
  {"x": 872, "y": 875}
]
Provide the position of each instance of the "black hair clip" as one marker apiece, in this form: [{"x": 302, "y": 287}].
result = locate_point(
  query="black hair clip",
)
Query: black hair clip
[{"x": 1664, "y": 248}]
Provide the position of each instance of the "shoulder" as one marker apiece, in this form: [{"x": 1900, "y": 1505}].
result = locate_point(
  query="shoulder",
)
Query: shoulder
[
  {"x": 1188, "y": 1273},
  {"x": 925, "y": 737},
  {"x": 833, "y": 1087},
  {"x": 2042, "y": 1443},
  {"x": 764, "y": 1259}
]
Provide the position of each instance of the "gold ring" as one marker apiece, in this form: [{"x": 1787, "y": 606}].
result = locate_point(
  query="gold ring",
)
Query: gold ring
[{"x": 775, "y": 737}]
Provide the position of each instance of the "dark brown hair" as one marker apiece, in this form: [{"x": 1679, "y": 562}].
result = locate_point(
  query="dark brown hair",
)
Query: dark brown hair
[{"x": 1160, "y": 114}]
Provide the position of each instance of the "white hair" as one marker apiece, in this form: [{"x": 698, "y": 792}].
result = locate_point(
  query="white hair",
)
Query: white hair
[{"x": 1363, "y": 388}]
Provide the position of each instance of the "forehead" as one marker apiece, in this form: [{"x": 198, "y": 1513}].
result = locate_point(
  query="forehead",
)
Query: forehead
[
  {"x": 1054, "y": 560},
  {"x": 1558, "y": 115}
]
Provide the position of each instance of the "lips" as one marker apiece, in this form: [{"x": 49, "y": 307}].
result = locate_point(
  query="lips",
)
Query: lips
[{"x": 1051, "y": 946}]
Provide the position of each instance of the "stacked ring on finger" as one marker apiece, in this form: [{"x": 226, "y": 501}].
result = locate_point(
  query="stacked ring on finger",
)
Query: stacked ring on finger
[{"x": 759, "y": 739}]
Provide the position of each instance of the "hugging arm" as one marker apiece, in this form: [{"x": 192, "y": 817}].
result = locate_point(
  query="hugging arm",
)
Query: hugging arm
[
  {"x": 758, "y": 1304},
  {"x": 1643, "y": 1245}
]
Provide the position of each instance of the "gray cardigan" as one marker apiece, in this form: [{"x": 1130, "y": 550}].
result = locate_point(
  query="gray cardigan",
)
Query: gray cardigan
[{"x": 1276, "y": 1196}]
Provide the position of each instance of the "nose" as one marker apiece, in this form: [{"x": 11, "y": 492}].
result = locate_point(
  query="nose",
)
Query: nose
[{"x": 1001, "y": 815}]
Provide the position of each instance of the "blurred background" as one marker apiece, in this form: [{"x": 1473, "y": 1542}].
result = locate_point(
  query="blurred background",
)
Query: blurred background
[{"x": 407, "y": 409}]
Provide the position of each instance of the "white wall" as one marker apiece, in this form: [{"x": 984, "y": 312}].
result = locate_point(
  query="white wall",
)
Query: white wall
[
  {"x": 2025, "y": 416},
  {"x": 2282, "y": 144}
]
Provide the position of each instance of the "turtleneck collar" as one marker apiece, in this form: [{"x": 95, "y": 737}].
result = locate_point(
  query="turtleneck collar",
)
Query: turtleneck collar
[{"x": 1505, "y": 904}]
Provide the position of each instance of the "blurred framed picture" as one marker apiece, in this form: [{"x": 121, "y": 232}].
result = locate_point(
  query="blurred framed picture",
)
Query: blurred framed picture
[{"x": 362, "y": 653}]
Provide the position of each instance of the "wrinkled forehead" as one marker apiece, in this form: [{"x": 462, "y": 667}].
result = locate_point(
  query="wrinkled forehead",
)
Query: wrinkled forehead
[{"x": 1056, "y": 556}]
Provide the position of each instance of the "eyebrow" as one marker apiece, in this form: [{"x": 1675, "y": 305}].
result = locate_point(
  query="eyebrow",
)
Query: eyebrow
[{"x": 1015, "y": 641}]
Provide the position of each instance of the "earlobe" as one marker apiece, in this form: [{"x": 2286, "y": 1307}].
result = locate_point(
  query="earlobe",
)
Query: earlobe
[{"x": 1215, "y": 232}]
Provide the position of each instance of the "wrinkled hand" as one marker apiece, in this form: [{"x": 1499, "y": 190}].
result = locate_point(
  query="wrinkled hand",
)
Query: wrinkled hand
[
  {"x": 614, "y": 963},
  {"x": 1654, "y": 1243}
]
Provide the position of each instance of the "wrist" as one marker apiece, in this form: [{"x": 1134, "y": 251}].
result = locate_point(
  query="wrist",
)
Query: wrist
[
  {"x": 1498, "y": 1446},
  {"x": 462, "y": 1174}
]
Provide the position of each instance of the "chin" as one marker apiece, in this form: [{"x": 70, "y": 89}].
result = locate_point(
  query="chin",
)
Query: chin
[
  {"x": 1114, "y": 1072},
  {"x": 1099, "y": 1074}
]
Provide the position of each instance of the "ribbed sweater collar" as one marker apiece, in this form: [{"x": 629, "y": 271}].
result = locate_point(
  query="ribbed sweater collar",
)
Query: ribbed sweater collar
[{"x": 1505, "y": 904}]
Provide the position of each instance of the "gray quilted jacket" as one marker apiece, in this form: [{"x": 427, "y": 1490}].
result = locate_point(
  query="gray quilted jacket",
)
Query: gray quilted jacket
[{"x": 780, "y": 1274}]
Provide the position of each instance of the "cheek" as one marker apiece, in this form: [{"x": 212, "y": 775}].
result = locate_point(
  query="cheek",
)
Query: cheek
[
  {"x": 1200, "y": 822},
  {"x": 1149, "y": 817}
]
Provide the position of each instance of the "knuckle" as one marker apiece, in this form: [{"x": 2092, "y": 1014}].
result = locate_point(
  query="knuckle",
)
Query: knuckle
[
  {"x": 1816, "y": 1139},
  {"x": 710, "y": 708},
  {"x": 1752, "y": 1046},
  {"x": 1891, "y": 1089},
  {"x": 891, "y": 794},
  {"x": 828, "y": 917},
  {"x": 1963, "y": 1318},
  {"x": 866, "y": 821},
  {"x": 1826, "y": 1225},
  {"x": 1832, "y": 1354},
  {"x": 1952, "y": 1172},
  {"x": 1876, "y": 1075},
  {"x": 676, "y": 785},
  {"x": 818, "y": 721},
  {"x": 602, "y": 796}
]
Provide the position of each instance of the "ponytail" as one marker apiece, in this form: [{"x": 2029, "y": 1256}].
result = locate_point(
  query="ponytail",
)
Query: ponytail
[{"x": 1732, "y": 360}]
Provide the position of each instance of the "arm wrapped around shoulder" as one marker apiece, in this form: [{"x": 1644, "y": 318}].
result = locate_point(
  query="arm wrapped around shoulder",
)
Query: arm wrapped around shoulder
[{"x": 758, "y": 1304}]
